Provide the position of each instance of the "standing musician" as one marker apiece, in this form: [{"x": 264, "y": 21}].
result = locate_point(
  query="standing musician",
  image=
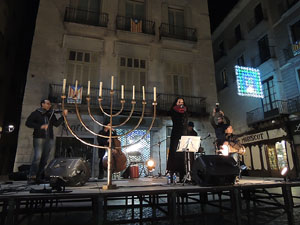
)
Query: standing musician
[
  {"x": 222, "y": 123},
  {"x": 178, "y": 113},
  {"x": 42, "y": 121}
]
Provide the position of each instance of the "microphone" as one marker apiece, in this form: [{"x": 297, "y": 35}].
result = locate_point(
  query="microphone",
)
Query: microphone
[{"x": 181, "y": 106}]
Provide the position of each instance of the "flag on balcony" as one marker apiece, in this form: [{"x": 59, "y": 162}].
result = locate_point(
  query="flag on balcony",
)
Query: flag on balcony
[
  {"x": 136, "y": 25},
  {"x": 71, "y": 94}
]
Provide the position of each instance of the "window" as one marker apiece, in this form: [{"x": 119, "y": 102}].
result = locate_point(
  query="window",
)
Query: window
[
  {"x": 241, "y": 61},
  {"x": 176, "y": 21},
  {"x": 258, "y": 14},
  {"x": 295, "y": 30},
  {"x": 82, "y": 66},
  {"x": 264, "y": 51},
  {"x": 133, "y": 71},
  {"x": 224, "y": 78},
  {"x": 88, "y": 10},
  {"x": 177, "y": 78},
  {"x": 135, "y": 9},
  {"x": 277, "y": 155},
  {"x": 238, "y": 33},
  {"x": 269, "y": 100}
]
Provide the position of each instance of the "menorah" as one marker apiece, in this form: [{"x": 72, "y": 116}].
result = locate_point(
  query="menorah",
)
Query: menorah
[{"x": 110, "y": 126}]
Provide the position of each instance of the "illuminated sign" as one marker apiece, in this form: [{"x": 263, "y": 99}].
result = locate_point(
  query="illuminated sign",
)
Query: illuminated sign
[{"x": 248, "y": 82}]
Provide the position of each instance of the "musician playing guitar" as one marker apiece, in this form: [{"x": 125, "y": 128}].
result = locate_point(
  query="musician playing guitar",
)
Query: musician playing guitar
[{"x": 233, "y": 144}]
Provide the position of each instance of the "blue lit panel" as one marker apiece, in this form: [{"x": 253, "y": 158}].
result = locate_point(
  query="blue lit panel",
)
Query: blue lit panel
[{"x": 248, "y": 82}]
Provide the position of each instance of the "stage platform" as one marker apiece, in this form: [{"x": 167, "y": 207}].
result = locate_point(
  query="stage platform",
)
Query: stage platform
[{"x": 153, "y": 201}]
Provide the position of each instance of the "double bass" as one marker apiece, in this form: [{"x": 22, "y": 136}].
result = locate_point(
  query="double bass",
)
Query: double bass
[{"x": 119, "y": 160}]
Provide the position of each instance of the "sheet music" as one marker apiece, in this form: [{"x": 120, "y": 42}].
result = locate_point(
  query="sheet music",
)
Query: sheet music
[{"x": 189, "y": 144}]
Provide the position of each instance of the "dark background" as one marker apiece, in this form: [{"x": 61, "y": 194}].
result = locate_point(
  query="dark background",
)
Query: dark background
[{"x": 218, "y": 9}]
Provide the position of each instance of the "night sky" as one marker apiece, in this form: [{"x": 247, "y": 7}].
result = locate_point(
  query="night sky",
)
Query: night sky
[{"x": 218, "y": 9}]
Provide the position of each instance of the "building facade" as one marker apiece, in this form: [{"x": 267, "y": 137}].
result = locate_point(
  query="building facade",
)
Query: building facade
[
  {"x": 264, "y": 35},
  {"x": 164, "y": 44}
]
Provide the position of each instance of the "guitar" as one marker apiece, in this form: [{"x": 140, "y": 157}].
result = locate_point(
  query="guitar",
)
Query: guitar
[{"x": 231, "y": 147}]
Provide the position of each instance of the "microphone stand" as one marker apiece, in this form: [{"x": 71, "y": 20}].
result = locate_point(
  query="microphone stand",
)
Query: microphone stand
[{"x": 159, "y": 157}]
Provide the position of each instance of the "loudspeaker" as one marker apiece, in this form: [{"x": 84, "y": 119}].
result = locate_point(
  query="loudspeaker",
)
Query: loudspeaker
[
  {"x": 214, "y": 170},
  {"x": 74, "y": 171}
]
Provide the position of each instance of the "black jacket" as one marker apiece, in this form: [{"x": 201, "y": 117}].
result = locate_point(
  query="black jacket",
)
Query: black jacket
[{"x": 40, "y": 117}]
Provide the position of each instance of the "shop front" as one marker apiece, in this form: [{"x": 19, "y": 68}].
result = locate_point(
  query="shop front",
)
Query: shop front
[{"x": 268, "y": 152}]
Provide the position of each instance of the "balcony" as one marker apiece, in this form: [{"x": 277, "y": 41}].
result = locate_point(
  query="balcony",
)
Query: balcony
[
  {"x": 287, "y": 53},
  {"x": 258, "y": 114},
  {"x": 177, "y": 32},
  {"x": 135, "y": 25},
  {"x": 86, "y": 17},
  {"x": 263, "y": 57},
  {"x": 196, "y": 105},
  {"x": 294, "y": 105}
]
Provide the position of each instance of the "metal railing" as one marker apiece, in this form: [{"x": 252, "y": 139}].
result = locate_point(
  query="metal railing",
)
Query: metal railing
[
  {"x": 258, "y": 114},
  {"x": 265, "y": 56},
  {"x": 196, "y": 105},
  {"x": 130, "y": 24},
  {"x": 86, "y": 17},
  {"x": 294, "y": 104},
  {"x": 287, "y": 53},
  {"x": 178, "y": 32}
]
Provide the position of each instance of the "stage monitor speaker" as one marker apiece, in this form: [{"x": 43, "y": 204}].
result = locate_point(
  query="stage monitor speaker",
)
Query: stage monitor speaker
[
  {"x": 74, "y": 171},
  {"x": 214, "y": 170}
]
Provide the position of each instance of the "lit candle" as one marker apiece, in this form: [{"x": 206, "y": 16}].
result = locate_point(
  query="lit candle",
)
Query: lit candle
[
  {"x": 112, "y": 83},
  {"x": 76, "y": 84},
  {"x": 154, "y": 94},
  {"x": 64, "y": 86},
  {"x": 122, "y": 91},
  {"x": 100, "y": 89},
  {"x": 143, "y": 93},
  {"x": 89, "y": 88},
  {"x": 133, "y": 92}
]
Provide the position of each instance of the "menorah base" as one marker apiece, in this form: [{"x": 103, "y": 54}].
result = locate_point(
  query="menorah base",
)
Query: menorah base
[{"x": 109, "y": 187}]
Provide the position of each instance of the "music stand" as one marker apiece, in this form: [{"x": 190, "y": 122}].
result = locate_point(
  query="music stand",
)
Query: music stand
[{"x": 186, "y": 145}]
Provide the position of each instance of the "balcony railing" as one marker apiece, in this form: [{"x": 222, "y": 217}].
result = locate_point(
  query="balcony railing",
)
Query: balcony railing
[
  {"x": 287, "y": 53},
  {"x": 258, "y": 114},
  {"x": 196, "y": 105},
  {"x": 172, "y": 31},
  {"x": 265, "y": 56},
  {"x": 86, "y": 17},
  {"x": 294, "y": 104},
  {"x": 135, "y": 25}
]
